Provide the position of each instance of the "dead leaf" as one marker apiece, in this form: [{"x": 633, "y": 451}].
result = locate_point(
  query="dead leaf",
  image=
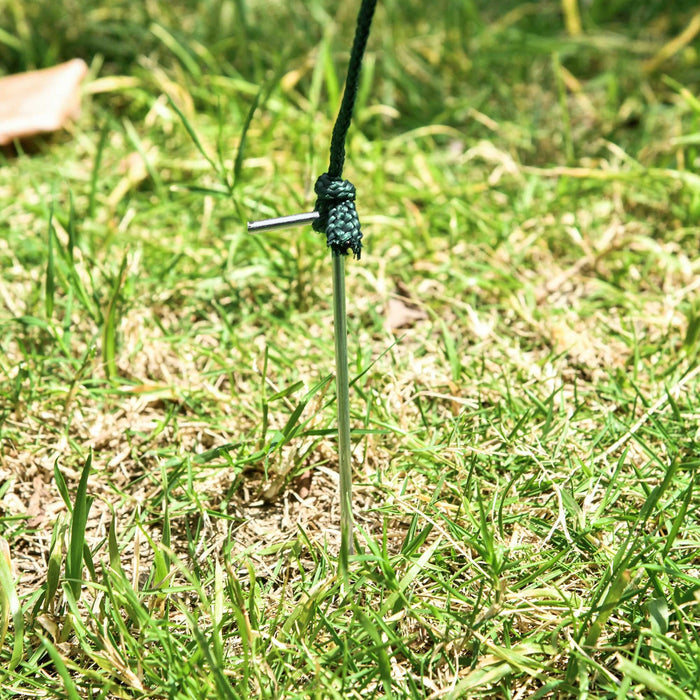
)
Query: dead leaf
[
  {"x": 400, "y": 314},
  {"x": 40, "y": 101}
]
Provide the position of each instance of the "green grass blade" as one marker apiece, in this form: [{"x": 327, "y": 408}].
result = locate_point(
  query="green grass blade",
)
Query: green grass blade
[
  {"x": 166, "y": 521},
  {"x": 240, "y": 154},
  {"x": 195, "y": 137},
  {"x": 378, "y": 650},
  {"x": 223, "y": 685},
  {"x": 10, "y": 40},
  {"x": 50, "y": 288},
  {"x": 113, "y": 546},
  {"x": 160, "y": 567},
  {"x": 392, "y": 602},
  {"x": 94, "y": 176},
  {"x": 177, "y": 48},
  {"x": 656, "y": 683},
  {"x": 453, "y": 356},
  {"x": 10, "y": 605},
  {"x": 61, "y": 669},
  {"x": 259, "y": 99},
  {"x": 71, "y": 229},
  {"x": 53, "y": 574},
  {"x": 62, "y": 486},
  {"x": 137, "y": 142},
  {"x": 610, "y": 602},
  {"x": 679, "y": 519},
  {"x": 109, "y": 332},
  {"x": 79, "y": 516}
]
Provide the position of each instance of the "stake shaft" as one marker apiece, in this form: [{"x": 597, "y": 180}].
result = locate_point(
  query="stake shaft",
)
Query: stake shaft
[{"x": 342, "y": 388}]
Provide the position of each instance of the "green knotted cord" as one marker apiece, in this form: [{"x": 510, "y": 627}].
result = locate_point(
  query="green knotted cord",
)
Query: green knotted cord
[
  {"x": 339, "y": 221},
  {"x": 336, "y": 197},
  {"x": 352, "y": 82}
]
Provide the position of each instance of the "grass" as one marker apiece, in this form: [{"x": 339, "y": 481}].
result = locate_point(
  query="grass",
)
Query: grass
[{"x": 525, "y": 446}]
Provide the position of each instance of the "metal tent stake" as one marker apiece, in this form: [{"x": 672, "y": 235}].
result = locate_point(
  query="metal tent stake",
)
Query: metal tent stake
[
  {"x": 341, "y": 379},
  {"x": 282, "y": 222},
  {"x": 342, "y": 385},
  {"x": 338, "y": 219}
]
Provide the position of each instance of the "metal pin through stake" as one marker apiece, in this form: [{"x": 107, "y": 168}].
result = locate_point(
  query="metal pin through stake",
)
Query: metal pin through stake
[{"x": 282, "y": 222}]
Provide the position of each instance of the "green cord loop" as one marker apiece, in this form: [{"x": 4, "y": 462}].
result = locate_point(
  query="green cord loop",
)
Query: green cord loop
[
  {"x": 338, "y": 216},
  {"x": 336, "y": 197}
]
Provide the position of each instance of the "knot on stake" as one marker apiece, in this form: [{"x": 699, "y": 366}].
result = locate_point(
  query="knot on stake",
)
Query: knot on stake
[{"x": 337, "y": 215}]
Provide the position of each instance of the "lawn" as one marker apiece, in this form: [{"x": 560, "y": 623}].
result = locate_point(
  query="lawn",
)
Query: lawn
[{"x": 523, "y": 333}]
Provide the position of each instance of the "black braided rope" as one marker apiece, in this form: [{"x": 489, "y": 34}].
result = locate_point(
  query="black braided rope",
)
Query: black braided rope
[{"x": 336, "y": 197}]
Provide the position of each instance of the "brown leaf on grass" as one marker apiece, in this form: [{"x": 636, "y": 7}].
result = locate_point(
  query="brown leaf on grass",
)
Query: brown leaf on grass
[
  {"x": 40, "y": 101},
  {"x": 401, "y": 312}
]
